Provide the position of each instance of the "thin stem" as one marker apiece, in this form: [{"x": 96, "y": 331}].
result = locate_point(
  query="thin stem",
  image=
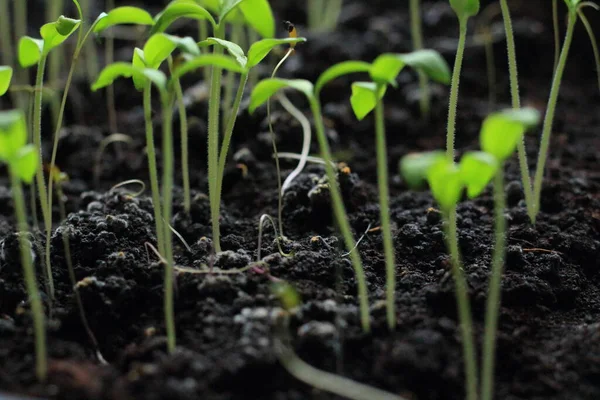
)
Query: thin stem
[
  {"x": 341, "y": 216},
  {"x": 183, "y": 126},
  {"x": 384, "y": 212},
  {"x": 167, "y": 196},
  {"x": 109, "y": 57},
  {"x": 8, "y": 52},
  {"x": 331, "y": 13},
  {"x": 228, "y": 98},
  {"x": 229, "y": 132},
  {"x": 91, "y": 57},
  {"x": 151, "y": 153},
  {"x": 40, "y": 179},
  {"x": 551, "y": 109},
  {"x": 516, "y": 104},
  {"x": 203, "y": 33},
  {"x": 592, "y": 36},
  {"x": 20, "y": 30},
  {"x": 556, "y": 30},
  {"x": 417, "y": 40},
  {"x": 494, "y": 291},
  {"x": 454, "y": 89},
  {"x": 464, "y": 307},
  {"x": 41, "y": 359},
  {"x": 213, "y": 145},
  {"x": 53, "y": 10}
]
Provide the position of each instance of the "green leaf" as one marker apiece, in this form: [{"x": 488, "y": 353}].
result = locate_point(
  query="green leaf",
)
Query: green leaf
[
  {"x": 259, "y": 16},
  {"x": 430, "y": 62},
  {"x": 232, "y": 48},
  {"x": 180, "y": 9},
  {"x": 445, "y": 182},
  {"x": 139, "y": 61},
  {"x": 286, "y": 294},
  {"x": 363, "y": 99},
  {"x": 501, "y": 131},
  {"x": 13, "y": 134},
  {"x": 215, "y": 60},
  {"x": 259, "y": 50},
  {"x": 30, "y": 51},
  {"x": 160, "y": 46},
  {"x": 465, "y": 8},
  {"x": 268, "y": 87},
  {"x": 386, "y": 68},
  {"x": 26, "y": 163},
  {"x": 477, "y": 169},
  {"x": 126, "y": 70},
  {"x": 227, "y": 6},
  {"x": 414, "y": 167},
  {"x": 6, "y": 73},
  {"x": 55, "y": 33},
  {"x": 343, "y": 68},
  {"x": 121, "y": 16}
]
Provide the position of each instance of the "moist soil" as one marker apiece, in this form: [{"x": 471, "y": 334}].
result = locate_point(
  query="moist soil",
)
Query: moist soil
[{"x": 549, "y": 327}]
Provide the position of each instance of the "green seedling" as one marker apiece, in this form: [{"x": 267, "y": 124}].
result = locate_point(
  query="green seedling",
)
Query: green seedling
[
  {"x": 464, "y": 10},
  {"x": 323, "y": 16},
  {"x": 257, "y": 14},
  {"x": 35, "y": 52},
  {"x": 416, "y": 30},
  {"x": 269, "y": 87},
  {"x": 369, "y": 95},
  {"x": 575, "y": 12},
  {"x": 22, "y": 161}
]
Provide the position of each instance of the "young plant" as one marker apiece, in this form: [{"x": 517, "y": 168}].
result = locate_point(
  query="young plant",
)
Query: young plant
[
  {"x": 35, "y": 52},
  {"x": 575, "y": 12},
  {"x": 269, "y": 87},
  {"x": 323, "y": 15},
  {"x": 258, "y": 15},
  {"x": 369, "y": 95},
  {"x": 464, "y": 10},
  {"x": 22, "y": 161}
]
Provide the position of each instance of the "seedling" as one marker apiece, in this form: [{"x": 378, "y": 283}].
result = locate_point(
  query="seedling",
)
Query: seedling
[
  {"x": 35, "y": 52},
  {"x": 323, "y": 15},
  {"x": 22, "y": 162},
  {"x": 575, "y": 13},
  {"x": 369, "y": 95}
]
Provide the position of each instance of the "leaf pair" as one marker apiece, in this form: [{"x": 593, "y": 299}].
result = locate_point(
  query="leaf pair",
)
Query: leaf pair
[
  {"x": 499, "y": 137},
  {"x": 14, "y": 150},
  {"x": 465, "y": 9},
  {"x": 53, "y": 34}
]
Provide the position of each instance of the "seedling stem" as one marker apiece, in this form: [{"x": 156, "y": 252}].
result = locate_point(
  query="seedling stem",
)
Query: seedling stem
[
  {"x": 454, "y": 88},
  {"x": 417, "y": 39}
]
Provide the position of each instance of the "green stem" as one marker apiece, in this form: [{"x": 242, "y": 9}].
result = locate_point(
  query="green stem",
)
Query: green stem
[
  {"x": 203, "y": 32},
  {"x": 167, "y": 196},
  {"x": 53, "y": 10},
  {"x": 40, "y": 179},
  {"x": 417, "y": 39},
  {"x": 340, "y": 214},
  {"x": 236, "y": 34},
  {"x": 213, "y": 145},
  {"x": 551, "y": 109},
  {"x": 8, "y": 52},
  {"x": 464, "y": 308},
  {"x": 41, "y": 359},
  {"x": 229, "y": 133},
  {"x": 183, "y": 125},
  {"x": 384, "y": 211},
  {"x": 454, "y": 89},
  {"x": 91, "y": 57},
  {"x": 494, "y": 291},
  {"x": 556, "y": 30},
  {"x": 516, "y": 104},
  {"x": 20, "y": 30}
]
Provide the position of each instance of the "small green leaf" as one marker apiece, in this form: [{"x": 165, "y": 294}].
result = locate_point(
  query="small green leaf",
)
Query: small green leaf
[
  {"x": 259, "y": 50},
  {"x": 343, "y": 68},
  {"x": 477, "y": 169},
  {"x": 414, "y": 167},
  {"x": 160, "y": 46},
  {"x": 268, "y": 87},
  {"x": 6, "y": 73},
  {"x": 363, "y": 99},
  {"x": 227, "y": 6},
  {"x": 501, "y": 131},
  {"x": 55, "y": 33},
  {"x": 287, "y": 295},
  {"x": 122, "y": 16},
  {"x": 232, "y": 48},
  {"x": 445, "y": 182},
  {"x": 465, "y": 8},
  {"x": 180, "y": 9},
  {"x": 30, "y": 51},
  {"x": 214, "y": 60},
  {"x": 386, "y": 68},
  {"x": 13, "y": 134},
  {"x": 26, "y": 163},
  {"x": 139, "y": 62},
  {"x": 259, "y": 16},
  {"x": 126, "y": 70},
  {"x": 430, "y": 62}
]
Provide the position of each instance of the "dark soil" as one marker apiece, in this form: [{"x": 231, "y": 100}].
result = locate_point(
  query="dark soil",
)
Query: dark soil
[{"x": 549, "y": 331}]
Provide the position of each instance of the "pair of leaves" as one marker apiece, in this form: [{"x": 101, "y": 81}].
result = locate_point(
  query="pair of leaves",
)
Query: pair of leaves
[
  {"x": 6, "y": 73},
  {"x": 53, "y": 34},
  {"x": 14, "y": 150},
  {"x": 499, "y": 136}
]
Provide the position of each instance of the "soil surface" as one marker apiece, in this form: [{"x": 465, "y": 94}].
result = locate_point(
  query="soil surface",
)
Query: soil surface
[{"x": 549, "y": 328}]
